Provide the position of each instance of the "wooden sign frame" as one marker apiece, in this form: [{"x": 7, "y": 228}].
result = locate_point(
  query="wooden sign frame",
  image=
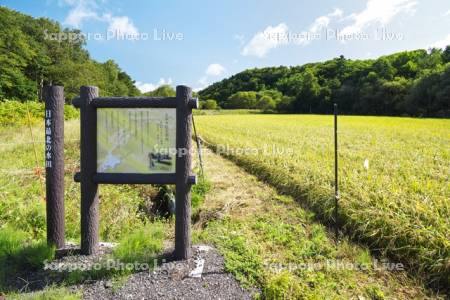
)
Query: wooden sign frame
[{"x": 88, "y": 102}]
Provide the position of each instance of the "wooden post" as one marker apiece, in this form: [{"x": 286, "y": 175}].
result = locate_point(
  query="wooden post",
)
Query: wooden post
[
  {"x": 88, "y": 157},
  {"x": 54, "y": 164},
  {"x": 183, "y": 168}
]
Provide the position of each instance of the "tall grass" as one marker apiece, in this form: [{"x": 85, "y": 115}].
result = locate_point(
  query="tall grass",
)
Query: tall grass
[
  {"x": 22, "y": 204},
  {"x": 16, "y": 113},
  {"x": 399, "y": 205}
]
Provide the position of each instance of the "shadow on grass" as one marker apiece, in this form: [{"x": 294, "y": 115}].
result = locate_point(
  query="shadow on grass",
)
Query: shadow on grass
[
  {"x": 19, "y": 254},
  {"x": 27, "y": 266}
]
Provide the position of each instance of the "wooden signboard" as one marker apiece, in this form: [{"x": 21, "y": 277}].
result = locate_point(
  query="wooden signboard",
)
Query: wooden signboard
[
  {"x": 136, "y": 140},
  {"x": 140, "y": 140}
]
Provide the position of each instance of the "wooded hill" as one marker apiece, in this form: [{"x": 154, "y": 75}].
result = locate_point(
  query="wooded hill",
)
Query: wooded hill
[
  {"x": 30, "y": 57},
  {"x": 415, "y": 83}
]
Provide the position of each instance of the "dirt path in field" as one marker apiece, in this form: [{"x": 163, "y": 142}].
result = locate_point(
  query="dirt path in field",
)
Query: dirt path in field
[{"x": 241, "y": 198}]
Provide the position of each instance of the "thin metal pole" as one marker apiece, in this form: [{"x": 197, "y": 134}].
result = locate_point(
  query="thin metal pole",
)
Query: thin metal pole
[
  {"x": 199, "y": 148},
  {"x": 336, "y": 180}
]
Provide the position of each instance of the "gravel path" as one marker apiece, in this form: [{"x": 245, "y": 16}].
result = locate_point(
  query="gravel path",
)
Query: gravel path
[{"x": 176, "y": 280}]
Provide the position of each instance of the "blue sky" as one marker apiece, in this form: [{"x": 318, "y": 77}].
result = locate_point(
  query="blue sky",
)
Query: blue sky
[{"x": 200, "y": 42}]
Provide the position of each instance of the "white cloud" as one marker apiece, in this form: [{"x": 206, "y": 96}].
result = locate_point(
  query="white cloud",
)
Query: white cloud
[
  {"x": 441, "y": 43},
  {"x": 84, "y": 10},
  {"x": 378, "y": 12},
  {"x": 148, "y": 87},
  {"x": 145, "y": 87},
  {"x": 319, "y": 24},
  {"x": 121, "y": 25},
  {"x": 273, "y": 37},
  {"x": 163, "y": 81},
  {"x": 336, "y": 13},
  {"x": 266, "y": 40},
  {"x": 447, "y": 13},
  {"x": 323, "y": 21},
  {"x": 81, "y": 11},
  {"x": 215, "y": 70}
]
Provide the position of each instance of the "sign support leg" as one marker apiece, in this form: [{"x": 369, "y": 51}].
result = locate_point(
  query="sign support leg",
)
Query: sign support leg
[
  {"x": 54, "y": 164},
  {"x": 183, "y": 168},
  {"x": 89, "y": 189}
]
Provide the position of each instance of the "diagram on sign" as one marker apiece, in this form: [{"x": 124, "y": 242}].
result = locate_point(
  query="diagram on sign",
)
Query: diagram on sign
[{"x": 136, "y": 140}]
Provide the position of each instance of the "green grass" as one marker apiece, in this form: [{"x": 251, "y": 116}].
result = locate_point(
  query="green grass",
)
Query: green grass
[
  {"x": 242, "y": 258},
  {"x": 198, "y": 193},
  {"x": 253, "y": 249},
  {"x": 141, "y": 245},
  {"x": 22, "y": 190},
  {"x": 16, "y": 113},
  {"x": 210, "y": 112},
  {"x": 19, "y": 254},
  {"x": 399, "y": 205},
  {"x": 278, "y": 249},
  {"x": 247, "y": 244},
  {"x": 50, "y": 293},
  {"x": 283, "y": 286}
]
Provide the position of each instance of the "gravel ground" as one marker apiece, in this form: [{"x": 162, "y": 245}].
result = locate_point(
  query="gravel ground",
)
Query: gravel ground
[
  {"x": 176, "y": 280},
  {"x": 201, "y": 277}
]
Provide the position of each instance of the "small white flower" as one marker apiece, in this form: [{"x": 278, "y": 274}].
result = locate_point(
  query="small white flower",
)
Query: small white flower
[{"x": 366, "y": 164}]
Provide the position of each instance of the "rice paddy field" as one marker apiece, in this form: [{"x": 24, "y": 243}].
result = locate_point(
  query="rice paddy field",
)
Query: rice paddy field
[
  {"x": 394, "y": 176},
  {"x": 394, "y": 198}
]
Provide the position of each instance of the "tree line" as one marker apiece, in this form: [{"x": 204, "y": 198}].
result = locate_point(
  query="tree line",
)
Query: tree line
[
  {"x": 414, "y": 83},
  {"x": 31, "y": 57}
]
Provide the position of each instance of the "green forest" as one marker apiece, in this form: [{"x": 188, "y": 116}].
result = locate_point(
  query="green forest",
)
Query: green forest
[
  {"x": 30, "y": 59},
  {"x": 412, "y": 83},
  {"x": 409, "y": 83}
]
